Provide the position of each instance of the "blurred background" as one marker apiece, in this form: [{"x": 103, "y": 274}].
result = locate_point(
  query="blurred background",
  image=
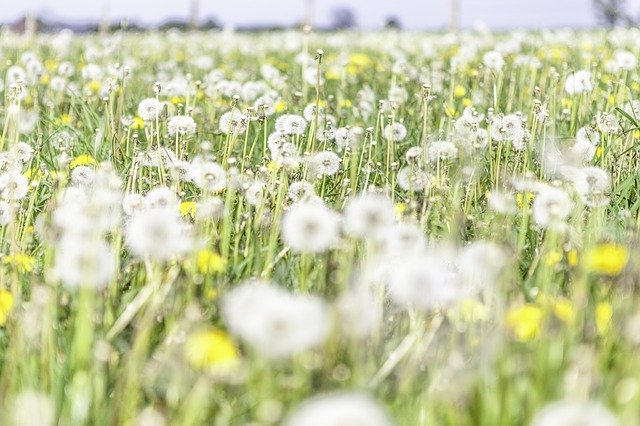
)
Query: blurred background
[{"x": 89, "y": 15}]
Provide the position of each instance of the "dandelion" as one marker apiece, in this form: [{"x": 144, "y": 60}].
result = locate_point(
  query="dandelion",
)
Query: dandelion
[
  {"x": 395, "y": 132},
  {"x": 340, "y": 409},
  {"x": 182, "y": 125},
  {"x": 211, "y": 350},
  {"x": 13, "y": 186},
  {"x": 442, "y": 151},
  {"x": 20, "y": 261},
  {"x": 208, "y": 176},
  {"x": 310, "y": 228},
  {"x": 149, "y": 109},
  {"x": 210, "y": 262},
  {"x": 275, "y": 323},
  {"x": 579, "y": 82},
  {"x": 606, "y": 259},
  {"x": 32, "y": 408},
  {"x": 574, "y": 413},
  {"x": 158, "y": 234},
  {"x": 324, "y": 163},
  {"x": 6, "y": 304},
  {"x": 551, "y": 207},
  {"x": 525, "y": 322},
  {"x": 368, "y": 215}
]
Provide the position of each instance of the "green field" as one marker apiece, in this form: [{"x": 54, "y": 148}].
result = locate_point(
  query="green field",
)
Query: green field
[{"x": 320, "y": 229}]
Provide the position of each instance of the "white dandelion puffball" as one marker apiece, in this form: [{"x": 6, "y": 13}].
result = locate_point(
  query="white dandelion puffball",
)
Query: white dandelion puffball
[
  {"x": 13, "y": 186},
  {"x": 395, "y": 132},
  {"x": 565, "y": 413},
  {"x": 340, "y": 409},
  {"x": 493, "y": 60},
  {"x": 32, "y": 408},
  {"x": 551, "y": 207},
  {"x": 579, "y": 82},
  {"x": 208, "y": 176},
  {"x": 442, "y": 151},
  {"x": 368, "y": 214},
  {"x": 423, "y": 281},
  {"x": 182, "y": 125},
  {"x": 325, "y": 163},
  {"x": 310, "y": 227},
  {"x": 276, "y": 323},
  {"x": 149, "y": 109},
  {"x": 84, "y": 263},
  {"x": 158, "y": 234}
]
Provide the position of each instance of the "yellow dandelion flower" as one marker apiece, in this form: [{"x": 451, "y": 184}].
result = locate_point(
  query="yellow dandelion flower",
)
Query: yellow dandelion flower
[
  {"x": 138, "y": 123},
  {"x": 188, "y": 208},
  {"x": 332, "y": 74},
  {"x": 525, "y": 322},
  {"x": 607, "y": 259},
  {"x": 467, "y": 102},
  {"x": 346, "y": 103},
  {"x": 83, "y": 160},
  {"x": 211, "y": 349},
  {"x": 66, "y": 119},
  {"x": 554, "y": 257},
  {"x": 6, "y": 304},
  {"x": 400, "y": 208},
  {"x": 522, "y": 198},
  {"x": 281, "y": 106},
  {"x": 604, "y": 313},
  {"x": 22, "y": 262},
  {"x": 459, "y": 92},
  {"x": 45, "y": 79},
  {"x": 209, "y": 262},
  {"x": 572, "y": 257},
  {"x": 563, "y": 310}
]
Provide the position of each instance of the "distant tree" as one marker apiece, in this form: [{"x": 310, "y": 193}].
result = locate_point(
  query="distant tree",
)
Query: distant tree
[
  {"x": 612, "y": 12},
  {"x": 392, "y": 23},
  {"x": 343, "y": 18}
]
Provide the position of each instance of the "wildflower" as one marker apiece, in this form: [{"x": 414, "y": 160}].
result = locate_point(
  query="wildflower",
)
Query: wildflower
[
  {"x": 182, "y": 125},
  {"x": 13, "y": 186},
  {"x": 208, "y": 176},
  {"x": 493, "y": 60},
  {"x": 149, "y": 109},
  {"x": 414, "y": 179},
  {"x": 564, "y": 413},
  {"x": 301, "y": 190},
  {"x": 291, "y": 124},
  {"x": 21, "y": 261},
  {"x": 325, "y": 163},
  {"x": 423, "y": 281},
  {"x": 604, "y": 314},
  {"x": 188, "y": 208},
  {"x": 32, "y": 408},
  {"x": 158, "y": 234},
  {"x": 551, "y": 207},
  {"x": 368, "y": 214},
  {"x": 84, "y": 263},
  {"x": 211, "y": 350},
  {"x": 83, "y": 160},
  {"x": 442, "y": 151},
  {"x": 563, "y": 310},
  {"x": 607, "y": 259},
  {"x": 310, "y": 227},
  {"x": 525, "y": 322},
  {"x": 233, "y": 122},
  {"x": 339, "y": 409},
  {"x": 210, "y": 262},
  {"x": 6, "y": 304},
  {"x": 6, "y": 213},
  {"x": 395, "y": 132},
  {"x": 579, "y": 82},
  {"x": 277, "y": 324}
]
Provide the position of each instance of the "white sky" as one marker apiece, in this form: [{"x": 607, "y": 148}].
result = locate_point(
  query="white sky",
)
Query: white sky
[{"x": 413, "y": 14}]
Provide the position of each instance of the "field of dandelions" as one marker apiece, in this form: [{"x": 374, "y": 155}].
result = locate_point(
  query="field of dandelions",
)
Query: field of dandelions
[{"x": 320, "y": 229}]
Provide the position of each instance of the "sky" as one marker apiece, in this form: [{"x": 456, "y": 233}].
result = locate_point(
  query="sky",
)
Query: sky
[{"x": 413, "y": 14}]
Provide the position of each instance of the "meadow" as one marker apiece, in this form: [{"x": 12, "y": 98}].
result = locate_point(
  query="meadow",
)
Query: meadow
[{"x": 320, "y": 229}]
